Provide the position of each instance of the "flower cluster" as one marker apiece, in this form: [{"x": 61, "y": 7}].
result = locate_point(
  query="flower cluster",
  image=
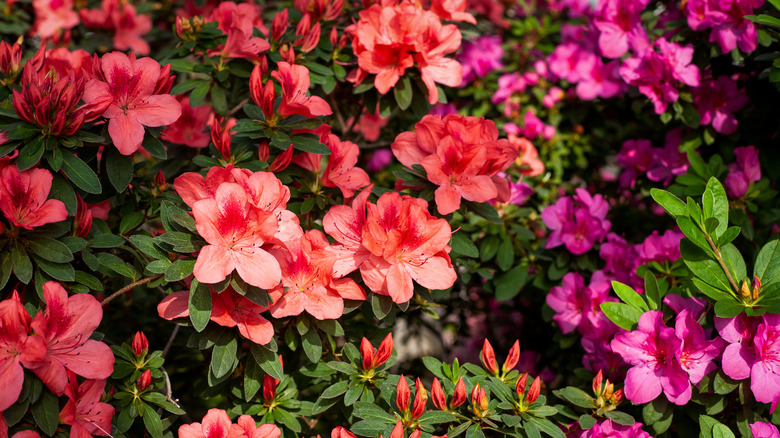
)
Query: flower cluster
[{"x": 577, "y": 222}]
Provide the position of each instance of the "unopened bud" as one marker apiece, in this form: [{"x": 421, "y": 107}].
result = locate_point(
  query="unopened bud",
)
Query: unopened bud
[
  {"x": 489, "y": 358},
  {"x": 533, "y": 391},
  {"x": 756, "y": 287},
  {"x": 459, "y": 396},
  {"x": 609, "y": 389},
  {"x": 402, "y": 394},
  {"x": 479, "y": 400},
  {"x": 438, "y": 396},
  {"x": 145, "y": 380},
  {"x": 279, "y": 25},
  {"x": 263, "y": 151},
  {"x": 269, "y": 388},
  {"x": 512, "y": 358},
  {"x": 745, "y": 290},
  {"x": 520, "y": 387},
  {"x": 420, "y": 399},
  {"x": 617, "y": 397},
  {"x": 384, "y": 351},
  {"x": 304, "y": 26},
  {"x": 282, "y": 161},
  {"x": 597, "y": 382},
  {"x": 82, "y": 222},
  {"x": 159, "y": 179},
  {"x": 367, "y": 354},
  {"x": 140, "y": 344},
  {"x": 312, "y": 39}
]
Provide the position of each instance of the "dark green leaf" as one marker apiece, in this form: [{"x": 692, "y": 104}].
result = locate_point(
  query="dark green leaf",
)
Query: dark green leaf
[
  {"x": 199, "y": 305},
  {"x": 630, "y": 296},
  {"x": 403, "y": 93},
  {"x": 506, "y": 254},
  {"x": 767, "y": 267},
  {"x": 155, "y": 147},
  {"x": 312, "y": 345},
  {"x": 119, "y": 169},
  {"x": 268, "y": 361},
  {"x": 461, "y": 243},
  {"x": 31, "y": 153},
  {"x": 199, "y": 93},
  {"x": 716, "y": 205},
  {"x": 223, "y": 357},
  {"x": 152, "y": 422},
  {"x": 80, "y": 173},
  {"x": 106, "y": 240},
  {"x": 309, "y": 143},
  {"x": 116, "y": 264},
  {"x": 728, "y": 308},
  {"x": 21, "y": 262},
  {"x": 179, "y": 270},
  {"x": 510, "y": 284},
  {"x": 50, "y": 249},
  {"x": 46, "y": 412},
  {"x": 652, "y": 292}
]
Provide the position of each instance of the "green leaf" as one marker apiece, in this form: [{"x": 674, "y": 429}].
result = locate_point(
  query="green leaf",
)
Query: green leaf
[
  {"x": 728, "y": 236},
  {"x": 22, "y": 265},
  {"x": 309, "y": 143},
  {"x": 199, "y": 93},
  {"x": 179, "y": 270},
  {"x": 703, "y": 266},
  {"x": 88, "y": 280},
  {"x": 485, "y": 210},
  {"x": 586, "y": 421},
  {"x": 698, "y": 165},
  {"x": 223, "y": 356},
  {"x": 254, "y": 112},
  {"x": 728, "y": 308},
  {"x": 652, "y": 292},
  {"x": 712, "y": 292},
  {"x": 403, "y": 93},
  {"x": 116, "y": 264},
  {"x": 630, "y": 296},
  {"x": 577, "y": 397},
  {"x": 621, "y": 418},
  {"x": 506, "y": 254},
  {"x": 767, "y": 267},
  {"x": 46, "y": 412},
  {"x": 336, "y": 390},
  {"x": 370, "y": 411},
  {"x": 547, "y": 426},
  {"x": 672, "y": 204},
  {"x": 623, "y": 315},
  {"x": 716, "y": 205},
  {"x": 119, "y": 169},
  {"x": 510, "y": 284},
  {"x": 106, "y": 240},
  {"x": 312, "y": 345},
  {"x": 155, "y": 147},
  {"x": 268, "y": 361},
  {"x": 62, "y": 190},
  {"x": 461, "y": 243},
  {"x": 80, "y": 174},
  {"x": 146, "y": 245},
  {"x": 59, "y": 271},
  {"x": 50, "y": 249},
  {"x": 183, "y": 87},
  {"x": 734, "y": 262},
  {"x": 30, "y": 154},
  {"x": 721, "y": 430},
  {"x": 218, "y": 100},
  {"x": 152, "y": 422},
  {"x": 437, "y": 417},
  {"x": 353, "y": 394},
  {"x": 199, "y": 305}
]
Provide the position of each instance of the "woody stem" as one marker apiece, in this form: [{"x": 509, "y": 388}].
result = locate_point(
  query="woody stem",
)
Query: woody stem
[
  {"x": 129, "y": 287},
  {"x": 722, "y": 263}
]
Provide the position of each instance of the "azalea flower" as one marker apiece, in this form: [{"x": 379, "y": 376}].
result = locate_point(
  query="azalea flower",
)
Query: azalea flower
[
  {"x": 122, "y": 18},
  {"x": 480, "y": 57},
  {"x": 66, "y": 325},
  {"x": 760, "y": 429},
  {"x": 238, "y": 22},
  {"x": 190, "y": 128},
  {"x": 651, "y": 351},
  {"x": 307, "y": 280},
  {"x": 294, "y": 80},
  {"x": 53, "y": 16},
  {"x": 132, "y": 87},
  {"x": 23, "y": 198},
  {"x": 228, "y": 309},
  {"x": 577, "y": 222},
  {"x": 745, "y": 171},
  {"x": 695, "y": 353},
  {"x": 620, "y": 25},
  {"x": 717, "y": 100},
  {"x": 17, "y": 348},
  {"x": 84, "y": 412},
  {"x": 217, "y": 424},
  {"x": 345, "y": 224},
  {"x": 577, "y": 306}
]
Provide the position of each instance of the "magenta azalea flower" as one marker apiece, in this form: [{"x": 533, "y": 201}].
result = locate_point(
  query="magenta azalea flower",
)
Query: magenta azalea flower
[{"x": 577, "y": 222}]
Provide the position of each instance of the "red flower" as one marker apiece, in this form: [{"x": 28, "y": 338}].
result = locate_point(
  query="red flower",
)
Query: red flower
[
  {"x": 84, "y": 411},
  {"x": 66, "y": 325},
  {"x": 132, "y": 87},
  {"x": 190, "y": 128},
  {"x": 17, "y": 348},
  {"x": 294, "y": 80},
  {"x": 23, "y": 198}
]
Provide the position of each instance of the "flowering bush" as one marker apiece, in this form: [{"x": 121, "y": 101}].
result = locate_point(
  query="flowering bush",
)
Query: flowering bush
[{"x": 317, "y": 217}]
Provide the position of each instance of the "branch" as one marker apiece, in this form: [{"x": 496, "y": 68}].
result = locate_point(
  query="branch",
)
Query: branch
[
  {"x": 722, "y": 263},
  {"x": 130, "y": 287}
]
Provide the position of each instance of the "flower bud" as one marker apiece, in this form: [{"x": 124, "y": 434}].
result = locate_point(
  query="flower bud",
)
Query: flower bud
[
  {"x": 479, "y": 400},
  {"x": 367, "y": 354},
  {"x": 520, "y": 387},
  {"x": 744, "y": 290},
  {"x": 279, "y": 25},
  {"x": 145, "y": 380},
  {"x": 82, "y": 224},
  {"x": 334, "y": 37},
  {"x": 533, "y": 391},
  {"x": 609, "y": 390},
  {"x": 384, "y": 351},
  {"x": 140, "y": 344},
  {"x": 341, "y": 432},
  {"x": 256, "y": 86},
  {"x": 334, "y": 10},
  {"x": 617, "y": 397},
  {"x": 288, "y": 55},
  {"x": 756, "y": 287},
  {"x": 220, "y": 136},
  {"x": 420, "y": 399},
  {"x": 165, "y": 81},
  {"x": 512, "y": 358},
  {"x": 489, "y": 358},
  {"x": 269, "y": 388},
  {"x": 402, "y": 394},
  {"x": 438, "y": 396},
  {"x": 268, "y": 103},
  {"x": 159, "y": 179},
  {"x": 263, "y": 151},
  {"x": 398, "y": 430},
  {"x": 311, "y": 39},
  {"x": 459, "y": 396},
  {"x": 282, "y": 161},
  {"x": 597, "y": 381}
]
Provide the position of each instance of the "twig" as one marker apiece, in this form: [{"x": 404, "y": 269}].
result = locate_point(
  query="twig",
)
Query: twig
[
  {"x": 237, "y": 107},
  {"x": 170, "y": 340},
  {"x": 168, "y": 392},
  {"x": 722, "y": 263},
  {"x": 130, "y": 287}
]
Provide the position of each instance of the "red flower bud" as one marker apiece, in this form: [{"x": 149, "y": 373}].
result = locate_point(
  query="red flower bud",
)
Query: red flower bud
[
  {"x": 512, "y": 357},
  {"x": 311, "y": 39},
  {"x": 82, "y": 223},
  {"x": 367, "y": 353},
  {"x": 10, "y": 58},
  {"x": 384, "y": 351},
  {"x": 288, "y": 55},
  {"x": 398, "y": 431},
  {"x": 340, "y": 432},
  {"x": 165, "y": 81},
  {"x": 279, "y": 25},
  {"x": 416, "y": 433},
  {"x": 256, "y": 86},
  {"x": 145, "y": 380},
  {"x": 420, "y": 399},
  {"x": 438, "y": 396},
  {"x": 159, "y": 179},
  {"x": 402, "y": 394},
  {"x": 489, "y": 358},
  {"x": 304, "y": 26},
  {"x": 334, "y": 37},
  {"x": 334, "y": 10},
  {"x": 220, "y": 136},
  {"x": 597, "y": 382},
  {"x": 140, "y": 344},
  {"x": 268, "y": 104},
  {"x": 479, "y": 399},
  {"x": 459, "y": 396},
  {"x": 269, "y": 387},
  {"x": 533, "y": 392},
  {"x": 617, "y": 397},
  {"x": 282, "y": 161},
  {"x": 520, "y": 387},
  {"x": 263, "y": 151}
]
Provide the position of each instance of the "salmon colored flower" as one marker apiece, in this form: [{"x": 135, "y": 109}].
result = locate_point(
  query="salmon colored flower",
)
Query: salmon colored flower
[
  {"x": 66, "y": 325},
  {"x": 462, "y": 155},
  {"x": 216, "y": 424},
  {"x": 84, "y": 411},
  {"x": 17, "y": 348},
  {"x": 23, "y": 198},
  {"x": 124, "y": 21},
  {"x": 228, "y": 309},
  {"x": 345, "y": 224},
  {"x": 190, "y": 128},
  {"x": 131, "y": 85},
  {"x": 238, "y": 22},
  {"x": 53, "y": 16},
  {"x": 407, "y": 244},
  {"x": 295, "y": 81},
  {"x": 307, "y": 280},
  {"x": 246, "y": 427}
]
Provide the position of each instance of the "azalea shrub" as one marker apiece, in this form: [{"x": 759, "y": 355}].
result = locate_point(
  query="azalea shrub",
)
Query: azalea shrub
[{"x": 404, "y": 218}]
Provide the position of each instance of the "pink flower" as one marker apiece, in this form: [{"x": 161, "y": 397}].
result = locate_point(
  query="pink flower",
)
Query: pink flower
[
  {"x": 132, "y": 87},
  {"x": 216, "y": 424},
  {"x": 610, "y": 429},
  {"x": 237, "y": 21},
  {"x": 730, "y": 28},
  {"x": 294, "y": 80},
  {"x": 740, "y": 355},
  {"x": 480, "y": 57},
  {"x": 660, "y": 248},
  {"x": 765, "y": 372},
  {"x": 717, "y": 100},
  {"x": 598, "y": 79},
  {"x": 246, "y": 427},
  {"x": 695, "y": 353},
  {"x": 229, "y": 309},
  {"x": 651, "y": 351},
  {"x": 122, "y": 18},
  {"x": 345, "y": 224},
  {"x": 746, "y": 170},
  {"x": 17, "y": 348},
  {"x": 620, "y": 258},
  {"x": 23, "y": 198},
  {"x": 84, "y": 411},
  {"x": 53, "y": 16},
  {"x": 577, "y": 222},
  {"x": 380, "y": 159},
  {"x": 764, "y": 430},
  {"x": 578, "y": 306},
  {"x": 620, "y": 25},
  {"x": 636, "y": 157},
  {"x": 508, "y": 84},
  {"x": 190, "y": 128},
  {"x": 66, "y": 325},
  {"x": 668, "y": 162}
]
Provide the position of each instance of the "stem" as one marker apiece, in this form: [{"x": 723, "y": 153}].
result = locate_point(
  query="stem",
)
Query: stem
[
  {"x": 237, "y": 107},
  {"x": 130, "y": 287},
  {"x": 722, "y": 263},
  {"x": 170, "y": 340}
]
